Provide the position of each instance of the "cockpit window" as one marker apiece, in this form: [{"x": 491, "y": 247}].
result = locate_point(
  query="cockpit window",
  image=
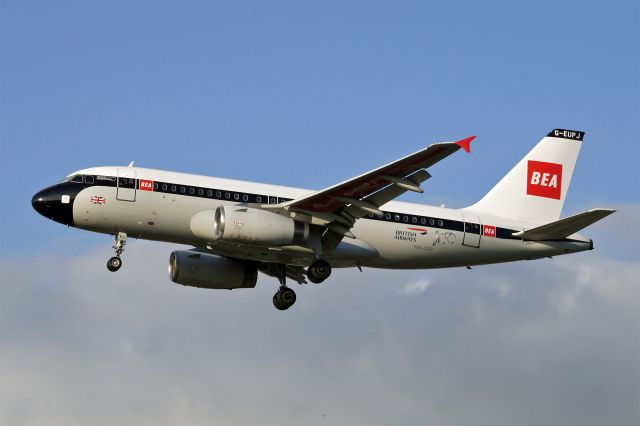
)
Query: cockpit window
[
  {"x": 75, "y": 179},
  {"x": 88, "y": 179}
]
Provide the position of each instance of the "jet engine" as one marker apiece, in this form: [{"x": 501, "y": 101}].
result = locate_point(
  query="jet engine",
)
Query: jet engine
[
  {"x": 197, "y": 269},
  {"x": 249, "y": 225}
]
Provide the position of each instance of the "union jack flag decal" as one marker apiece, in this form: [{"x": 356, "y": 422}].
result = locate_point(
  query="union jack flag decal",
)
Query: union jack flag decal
[{"x": 98, "y": 200}]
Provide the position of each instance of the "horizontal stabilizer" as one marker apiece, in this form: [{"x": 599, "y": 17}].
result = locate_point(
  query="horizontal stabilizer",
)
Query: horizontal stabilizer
[{"x": 564, "y": 227}]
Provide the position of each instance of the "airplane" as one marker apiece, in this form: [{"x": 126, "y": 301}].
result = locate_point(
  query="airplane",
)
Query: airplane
[{"x": 239, "y": 228}]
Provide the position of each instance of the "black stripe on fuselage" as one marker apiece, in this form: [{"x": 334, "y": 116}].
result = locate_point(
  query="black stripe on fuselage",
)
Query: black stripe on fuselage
[{"x": 250, "y": 198}]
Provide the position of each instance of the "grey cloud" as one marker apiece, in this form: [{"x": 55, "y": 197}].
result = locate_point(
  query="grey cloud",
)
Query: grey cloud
[{"x": 545, "y": 342}]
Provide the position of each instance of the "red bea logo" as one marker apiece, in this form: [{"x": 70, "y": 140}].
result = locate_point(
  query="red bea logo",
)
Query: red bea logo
[
  {"x": 489, "y": 231},
  {"x": 146, "y": 185},
  {"x": 544, "y": 179}
]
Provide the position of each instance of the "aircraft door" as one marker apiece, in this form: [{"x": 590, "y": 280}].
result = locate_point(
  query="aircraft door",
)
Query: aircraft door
[
  {"x": 126, "y": 184},
  {"x": 471, "y": 229}
]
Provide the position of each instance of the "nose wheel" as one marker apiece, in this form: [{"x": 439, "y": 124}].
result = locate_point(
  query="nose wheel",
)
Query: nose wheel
[{"x": 115, "y": 262}]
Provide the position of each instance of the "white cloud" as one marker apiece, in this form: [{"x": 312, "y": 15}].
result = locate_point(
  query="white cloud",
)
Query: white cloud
[
  {"x": 416, "y": 287},
  {"x": 544, "y": 342}
]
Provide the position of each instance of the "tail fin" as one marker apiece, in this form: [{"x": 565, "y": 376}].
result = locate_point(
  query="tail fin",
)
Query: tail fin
[{"x": 535, "y": 189}]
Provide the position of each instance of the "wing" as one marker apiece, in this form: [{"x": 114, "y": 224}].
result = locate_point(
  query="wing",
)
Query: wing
[{"x": 342, "y": 204}]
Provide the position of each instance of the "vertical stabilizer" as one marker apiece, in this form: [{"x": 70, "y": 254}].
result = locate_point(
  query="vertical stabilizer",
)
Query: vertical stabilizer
[{"x": 535, "y": 189}]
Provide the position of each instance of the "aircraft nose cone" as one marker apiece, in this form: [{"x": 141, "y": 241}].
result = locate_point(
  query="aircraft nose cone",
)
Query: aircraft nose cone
[
  {"x": 38, "y": 204},
  {"x": 55, "y": 203}
]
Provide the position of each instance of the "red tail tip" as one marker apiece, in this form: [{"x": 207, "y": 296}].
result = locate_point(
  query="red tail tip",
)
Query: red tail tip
[{"x": 465, "y": 143}]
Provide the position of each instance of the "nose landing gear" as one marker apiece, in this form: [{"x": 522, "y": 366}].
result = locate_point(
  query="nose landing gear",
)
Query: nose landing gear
[{"x": 120, "y": 240}]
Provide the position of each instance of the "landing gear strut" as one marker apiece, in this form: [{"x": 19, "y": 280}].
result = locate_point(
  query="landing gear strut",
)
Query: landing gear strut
[
  {"x": 318, "y": 271},
  {"x": 284, "y": 297},
  {"x": 115, "y": 262}
]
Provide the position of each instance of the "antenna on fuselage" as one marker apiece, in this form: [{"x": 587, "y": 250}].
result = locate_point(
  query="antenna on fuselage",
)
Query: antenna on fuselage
[{"x": 131, "y": 164}]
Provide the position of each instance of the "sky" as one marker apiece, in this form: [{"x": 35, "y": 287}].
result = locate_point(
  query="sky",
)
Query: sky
[{"x": 308, "y": 94}]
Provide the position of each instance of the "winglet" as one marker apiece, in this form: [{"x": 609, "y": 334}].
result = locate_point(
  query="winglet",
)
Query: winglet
[{"x": 465, "y": 143}]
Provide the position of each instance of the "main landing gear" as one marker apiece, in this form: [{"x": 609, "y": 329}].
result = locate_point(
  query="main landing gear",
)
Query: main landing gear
[
  {"x": 318, "y": 271},
  {"x": 285, "y": 297},
  {"x": 115, "y": 262}
]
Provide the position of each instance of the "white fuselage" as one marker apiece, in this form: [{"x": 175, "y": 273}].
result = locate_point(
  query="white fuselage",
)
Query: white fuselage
[{"x": 160, "y": 205}]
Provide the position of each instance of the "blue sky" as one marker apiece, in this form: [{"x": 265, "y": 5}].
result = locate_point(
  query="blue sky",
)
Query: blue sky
[{"x": 308, "y": 94}]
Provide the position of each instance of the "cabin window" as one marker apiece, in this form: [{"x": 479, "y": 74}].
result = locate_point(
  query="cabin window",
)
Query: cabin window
[
  {"x": 397, "y": 218},
  {"x": 236, "y": 196},
  {"x": 440, "y": 223},
  {"x": 218, "y": 194},
  {"x": 432, "y": 222},
  {"x": 164, "y": 187},
  {"x": 227, "y": 195},
  {"x": 388, "y": 216},
  {"x": 258, "y": 199},
  {"x": 192, "y": 191},
  {"x": 209, "y": 193},
  {"x": 414, "y": 219},
  {"x": 423, "y": 221},
  {"x": 245, "y": 198},
  {"x": 155, "y": 186},
  {"x": 201, "y": 192},
  {"x": 174, "y": 188},
  {"x": 405, "y": 218}
]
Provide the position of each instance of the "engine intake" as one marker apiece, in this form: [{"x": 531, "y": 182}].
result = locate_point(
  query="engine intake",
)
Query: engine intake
[
  {"x": 197, "y": 269},
  {"x": 249, "y": 225}
]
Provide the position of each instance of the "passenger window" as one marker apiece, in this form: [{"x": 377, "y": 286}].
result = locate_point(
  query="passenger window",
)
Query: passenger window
[
  {"x": 432, "y": 222},
  {"x": 245, "y": 198},
  {"x": 218, "y": 194},
  {"x": 164, "y": 186},
  {"x": 236, "y": 196},
  {"x": 76, "y": 179},
  {"x": 183, "y": 189},
  {"x": 423, "y": 221},
  {"x": 88, "y": 179},
  {"x": 200, "y": 192},
  {"x": 258, "y": 199},
  {"x": 440, "y": 224},
  {"x": 155, "y": 186},
  {"x": 405, "y": 218},
  {"x": 227, "y": 195},
  {"x": 173, "y": 188},
  {"x": 397, "y": 218},
  {"x": 414, "y": 219},
  {"x": 192, "y": 191},
  {"x": 209, "y": 193},
  {"x": 388, "y": 216}
]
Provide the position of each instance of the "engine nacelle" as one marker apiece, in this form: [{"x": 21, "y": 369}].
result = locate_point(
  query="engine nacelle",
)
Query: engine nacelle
[
  {"x": 197, "y": 269},
  {"x": 248, "y": 225}
]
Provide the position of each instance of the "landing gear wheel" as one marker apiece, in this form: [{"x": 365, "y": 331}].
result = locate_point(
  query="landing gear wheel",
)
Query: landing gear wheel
[
  {"x": 284, "y": 298},
  {"x": 114, "y": 264},
  {"x": 318, "y": 271},
  {"x": 119, "y": 241}
]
